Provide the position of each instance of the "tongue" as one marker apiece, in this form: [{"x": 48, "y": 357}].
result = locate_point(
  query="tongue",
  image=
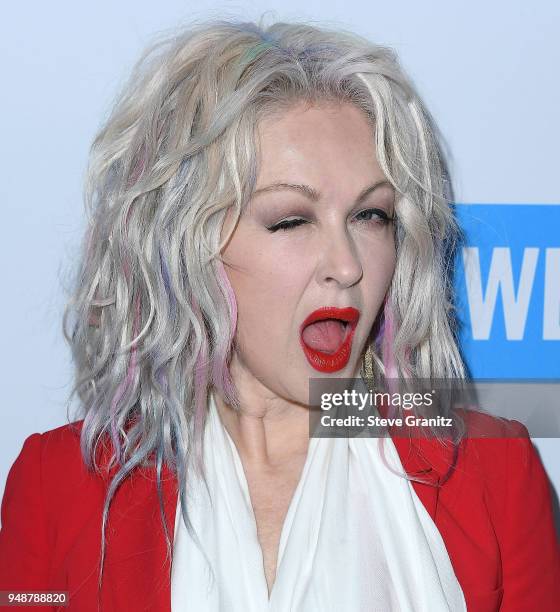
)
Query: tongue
[{"x": 326, "y": 336}]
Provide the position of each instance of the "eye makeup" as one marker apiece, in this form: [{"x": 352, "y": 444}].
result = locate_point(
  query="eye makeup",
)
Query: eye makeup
[{"x": 375, "y": 217}]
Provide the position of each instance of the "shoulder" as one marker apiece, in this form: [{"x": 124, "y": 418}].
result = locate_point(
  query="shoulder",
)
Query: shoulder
[
  {"x": 497, "y": 455},
  {"x": 484, "y": 425},
  {"x": 492, "y": 454},
  {"x": 480, "y": 453},
  {"x": 59, "y": 446},
  {"x": 49, "y": 471},
  {"x": 54, "y": 451},
  {"x": 43, "y": 484},
  {"x": 62, "y": 442},
  {"x": 495, "y": 445}
]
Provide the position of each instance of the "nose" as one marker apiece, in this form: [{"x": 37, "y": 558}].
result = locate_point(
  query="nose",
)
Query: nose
[{"x": 339, "y": 261}]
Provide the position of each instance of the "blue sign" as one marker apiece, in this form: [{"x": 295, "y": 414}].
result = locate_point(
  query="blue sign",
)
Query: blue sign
[{"x": 507, "y": 283}]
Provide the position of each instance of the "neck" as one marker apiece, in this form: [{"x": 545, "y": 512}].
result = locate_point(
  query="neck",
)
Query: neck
[{"x": 268, "y": 432}]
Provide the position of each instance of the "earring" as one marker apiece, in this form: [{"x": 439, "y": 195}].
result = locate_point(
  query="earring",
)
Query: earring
[{"x": 367, "y": 363}]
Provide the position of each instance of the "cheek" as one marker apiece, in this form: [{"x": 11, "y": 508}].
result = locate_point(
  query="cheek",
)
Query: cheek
[
  {"x": 266, "y": 287},
  {"x": 388, "y": 264},
  {"x": 262, "y": 270},
  {"x": 378, "y": 273}
]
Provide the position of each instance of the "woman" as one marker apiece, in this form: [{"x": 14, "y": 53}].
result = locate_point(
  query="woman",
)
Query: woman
[{"x": 268, "y": 206}]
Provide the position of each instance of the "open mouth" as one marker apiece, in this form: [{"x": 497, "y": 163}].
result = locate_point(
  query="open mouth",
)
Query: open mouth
[{"x": 326, "y": 337}]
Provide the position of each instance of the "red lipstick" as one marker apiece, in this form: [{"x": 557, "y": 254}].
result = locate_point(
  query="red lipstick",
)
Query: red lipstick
[{"x": 331, "y": 361}]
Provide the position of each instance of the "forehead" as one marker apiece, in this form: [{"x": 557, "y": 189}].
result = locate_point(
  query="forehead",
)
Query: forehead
[
  {"x": 301, "y": 119},
  {"x": 321, "y": 144}
]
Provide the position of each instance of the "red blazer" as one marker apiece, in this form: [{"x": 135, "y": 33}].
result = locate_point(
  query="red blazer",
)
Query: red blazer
[{"x": 494, "y": 514}]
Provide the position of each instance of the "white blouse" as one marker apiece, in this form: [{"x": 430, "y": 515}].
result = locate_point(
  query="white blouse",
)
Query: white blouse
[{"x": 356, "y": 537}]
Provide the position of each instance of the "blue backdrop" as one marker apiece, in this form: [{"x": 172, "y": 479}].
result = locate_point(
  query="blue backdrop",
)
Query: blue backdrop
[{"x": 508, "y": 290}]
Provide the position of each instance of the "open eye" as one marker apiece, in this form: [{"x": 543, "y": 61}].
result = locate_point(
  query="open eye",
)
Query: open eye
[{"x": 380, "y": 217}]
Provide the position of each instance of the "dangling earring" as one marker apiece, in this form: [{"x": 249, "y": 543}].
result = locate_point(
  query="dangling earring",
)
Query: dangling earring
[{"x": 367, "y": 364}]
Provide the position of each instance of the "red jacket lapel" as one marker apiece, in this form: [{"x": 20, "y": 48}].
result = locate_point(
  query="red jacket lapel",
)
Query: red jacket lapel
[{"x": 427, "y": 459}]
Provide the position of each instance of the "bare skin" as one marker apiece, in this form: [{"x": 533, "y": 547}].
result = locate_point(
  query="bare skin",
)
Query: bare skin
[
  {"x": 342, "y": 255},
  {"x": 273, "y": 448}
]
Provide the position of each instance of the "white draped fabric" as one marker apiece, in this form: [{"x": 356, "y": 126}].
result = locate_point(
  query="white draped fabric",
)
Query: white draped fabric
[{"x": 356, "y": 537}]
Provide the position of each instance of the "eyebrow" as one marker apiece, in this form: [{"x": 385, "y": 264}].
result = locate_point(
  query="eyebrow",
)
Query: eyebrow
[{"x": 314, "y": 195}]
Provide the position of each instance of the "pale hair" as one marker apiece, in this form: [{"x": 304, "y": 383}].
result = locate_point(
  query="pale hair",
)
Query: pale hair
[{"x": 152, "y": 317}]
